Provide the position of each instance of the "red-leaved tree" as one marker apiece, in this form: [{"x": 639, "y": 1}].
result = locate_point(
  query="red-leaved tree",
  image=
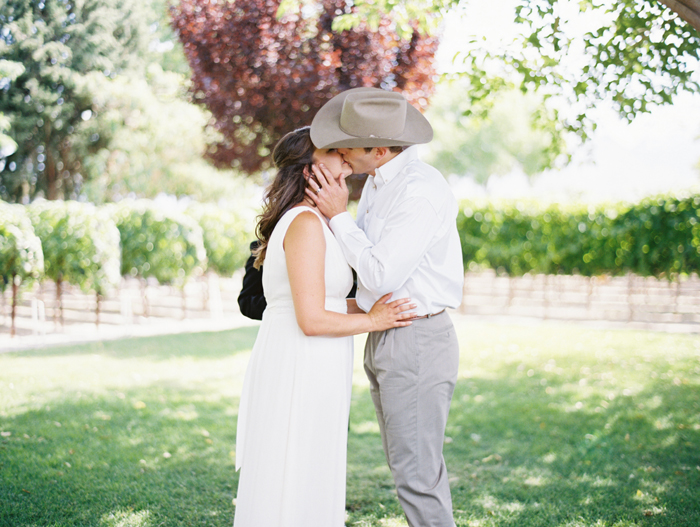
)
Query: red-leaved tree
[{"x": 262, "y": 77}]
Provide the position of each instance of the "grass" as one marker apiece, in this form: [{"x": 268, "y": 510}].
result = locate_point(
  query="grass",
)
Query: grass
[{"x": 550, "y": 425}]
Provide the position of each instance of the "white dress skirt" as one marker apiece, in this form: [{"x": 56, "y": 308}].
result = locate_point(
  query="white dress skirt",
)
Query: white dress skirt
[{"x": 291, "y": 442}]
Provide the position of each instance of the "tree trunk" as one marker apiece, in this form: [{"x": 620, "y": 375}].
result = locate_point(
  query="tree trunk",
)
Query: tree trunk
[
  {"x": 545, "y": 297},
  {"x": 688, "y": 10},
  {"x": 677, "y": 293},
  {"x": 630, "y": 298},
  {"x": 3, "y": 309},
  {"x": 184, "y": 302},
  {"x": 50, "y": 171},
  {"x": 206, "y": 286},
  {"x": 144, "y": 296},
  {"x": 59, "y": 301},
  {"x": 15, "y": 294},
  {"x": 98, "y": 303}
]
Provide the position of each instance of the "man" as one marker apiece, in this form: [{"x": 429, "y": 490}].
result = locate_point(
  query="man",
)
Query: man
[{"x": 405, "y": 241}]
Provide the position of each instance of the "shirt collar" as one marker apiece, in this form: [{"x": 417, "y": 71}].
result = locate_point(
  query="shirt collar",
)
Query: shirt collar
[{"x": 390, "y": 170}]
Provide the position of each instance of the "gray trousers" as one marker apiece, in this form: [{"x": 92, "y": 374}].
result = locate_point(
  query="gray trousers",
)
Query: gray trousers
[{"x": 412, "y": 373}]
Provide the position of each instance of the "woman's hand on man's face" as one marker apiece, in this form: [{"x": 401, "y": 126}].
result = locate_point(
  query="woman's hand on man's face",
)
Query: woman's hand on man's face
[{"x": 329, "y": 195}]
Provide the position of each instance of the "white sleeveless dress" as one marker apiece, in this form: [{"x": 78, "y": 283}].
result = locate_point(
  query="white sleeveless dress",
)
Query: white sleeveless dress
[{"x": 291, "y": 442}]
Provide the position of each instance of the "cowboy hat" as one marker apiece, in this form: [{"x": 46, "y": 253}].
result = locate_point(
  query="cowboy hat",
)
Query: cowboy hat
[{"x": 369, "y": 117}]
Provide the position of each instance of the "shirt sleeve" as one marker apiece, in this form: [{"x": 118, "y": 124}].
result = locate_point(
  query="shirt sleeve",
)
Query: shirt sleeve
[{"x": 406, "y": 235}]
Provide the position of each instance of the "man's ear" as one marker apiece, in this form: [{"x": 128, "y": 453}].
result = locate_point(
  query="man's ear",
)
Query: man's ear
[{"x": 380, "y": 152}]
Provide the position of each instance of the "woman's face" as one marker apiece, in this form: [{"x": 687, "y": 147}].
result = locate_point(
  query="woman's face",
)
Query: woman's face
[{"x": 333, "y": 162}]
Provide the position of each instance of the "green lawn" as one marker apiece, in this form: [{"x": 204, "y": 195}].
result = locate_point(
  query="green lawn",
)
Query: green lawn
[{"x": 551, "y": 425}]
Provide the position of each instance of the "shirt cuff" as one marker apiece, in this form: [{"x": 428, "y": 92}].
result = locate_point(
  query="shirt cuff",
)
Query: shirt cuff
[{"x": 342, "y": 222}]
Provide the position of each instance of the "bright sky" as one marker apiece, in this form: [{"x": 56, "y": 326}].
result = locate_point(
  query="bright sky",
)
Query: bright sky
[{"x": 658, "y": 152}]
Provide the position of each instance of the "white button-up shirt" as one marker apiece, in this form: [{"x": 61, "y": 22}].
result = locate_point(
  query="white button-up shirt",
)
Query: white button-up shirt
[{"x": 405, "y": 240}]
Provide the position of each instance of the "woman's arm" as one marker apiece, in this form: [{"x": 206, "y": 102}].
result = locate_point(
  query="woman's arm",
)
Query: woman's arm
[{"x": 305, "y": 250}]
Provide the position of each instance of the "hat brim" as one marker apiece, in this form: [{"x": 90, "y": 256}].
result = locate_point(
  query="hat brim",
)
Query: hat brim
[{"x": 326, "y": 131}]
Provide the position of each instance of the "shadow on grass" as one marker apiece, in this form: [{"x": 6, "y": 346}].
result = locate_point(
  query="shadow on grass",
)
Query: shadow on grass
[
  {"x": 527, "y": 450},
  {"x": 519, "y": 454},
  {"x": 166, "y": 460},
  {"x": 105, "y": 448},
  {"x": 206, "y": 345}
]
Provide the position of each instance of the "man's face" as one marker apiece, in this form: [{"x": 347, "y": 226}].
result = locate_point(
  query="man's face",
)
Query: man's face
[
  {"x": 333, "y": 161},
  {"x": 361, "y": 162}
]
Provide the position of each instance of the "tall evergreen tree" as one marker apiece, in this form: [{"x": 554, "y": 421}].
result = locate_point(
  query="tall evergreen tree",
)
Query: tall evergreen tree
[
  {"x": 67, "y": 47},
  {"x": 9, "y": 71}
]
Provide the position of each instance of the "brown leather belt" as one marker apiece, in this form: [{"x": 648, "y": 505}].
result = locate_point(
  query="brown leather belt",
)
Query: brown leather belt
[{"x": 428, "y": 316}]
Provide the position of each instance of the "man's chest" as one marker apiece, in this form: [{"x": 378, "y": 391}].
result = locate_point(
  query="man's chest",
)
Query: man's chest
[{"x": 380, "y": 208}]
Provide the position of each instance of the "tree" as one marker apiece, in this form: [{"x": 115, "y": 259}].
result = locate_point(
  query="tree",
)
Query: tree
[
  {"x": 80, "y": 245},
  {"x": 262, "y": 76},
  {"x": 688, "y": 10},
  {"x": 157, "y": 142},
  {"x": 429, "y": 14},
  {"x": 60, "y": 44},
  {"x": 158, "y": 242},
  {"x": 226, "y": 236},
  {"x": 634, "y": 53},
  {"x": 21, "y": 257},
  {"x": 165, "y": 48},
  {"x": 9, "y": 71},
  {"x": 511, "y": 137}
]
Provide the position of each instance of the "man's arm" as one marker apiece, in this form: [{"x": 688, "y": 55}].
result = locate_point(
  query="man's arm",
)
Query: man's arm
[{"x": 407, "y": 234}]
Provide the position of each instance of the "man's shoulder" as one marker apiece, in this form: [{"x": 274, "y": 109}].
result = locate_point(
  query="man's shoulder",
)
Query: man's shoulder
[{"x": 422, "y": 179}]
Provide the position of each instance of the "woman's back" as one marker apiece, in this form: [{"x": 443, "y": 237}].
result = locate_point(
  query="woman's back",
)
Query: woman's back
[{"x": 338, "y": 277}]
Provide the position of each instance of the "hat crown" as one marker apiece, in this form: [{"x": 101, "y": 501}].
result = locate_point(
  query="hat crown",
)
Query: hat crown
[
  {"x": 381, "y": 115},
  {"x": 369, "y": 117}
]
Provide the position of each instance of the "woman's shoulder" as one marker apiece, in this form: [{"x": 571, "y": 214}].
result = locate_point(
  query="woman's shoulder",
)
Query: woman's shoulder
[
  {"x": 304, "y": 218},
  {"x": 303, "y": 212},
  {"x": 292, "y": 214},
  {"x": 305, "y": 229}
]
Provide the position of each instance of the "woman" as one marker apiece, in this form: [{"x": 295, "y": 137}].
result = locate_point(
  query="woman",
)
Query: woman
[{"x": 293, "y": 418}]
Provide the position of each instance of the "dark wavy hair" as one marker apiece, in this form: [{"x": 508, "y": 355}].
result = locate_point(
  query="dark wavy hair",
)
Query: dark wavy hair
[{"x": 291, "y": 155}]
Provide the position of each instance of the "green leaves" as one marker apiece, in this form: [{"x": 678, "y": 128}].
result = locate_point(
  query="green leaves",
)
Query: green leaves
[
  {"x": 92, "y": 247},
  {"x": 406, "y": 16},
  {"x": 515, "y": 135},
  {"x": 658, "y": 237},
  {"x": 642, "y": 58},
  {"x": 80, "y": 243},
  {"x": 261, "y": 75},
  {"x": 225, "y": 236},
  {"x": 159, "y": 243},
  {"x": 634, "y": 54},
  {"x": 59, "y": 44},
  {"x": 20, "y": 249},
  {"x": 152, "y": 141}
]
